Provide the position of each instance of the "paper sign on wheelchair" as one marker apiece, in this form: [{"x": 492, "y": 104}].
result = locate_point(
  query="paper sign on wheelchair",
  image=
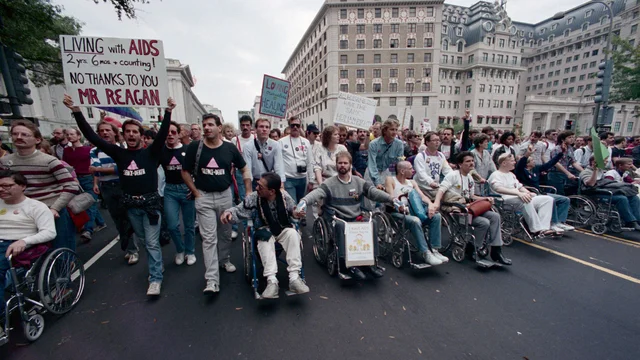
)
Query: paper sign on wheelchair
[{"x": 359, "y": 244}]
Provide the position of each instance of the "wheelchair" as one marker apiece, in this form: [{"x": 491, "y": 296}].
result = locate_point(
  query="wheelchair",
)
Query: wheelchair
[
  {"x": 595, "y": 209},
  {"x": 54, "y": 283},
  {"x": 393, "y": 241},
  {"x": 461, "y": 239},
  {"x": 253, "y": 264},
  {"x": 325, "y": 248}
]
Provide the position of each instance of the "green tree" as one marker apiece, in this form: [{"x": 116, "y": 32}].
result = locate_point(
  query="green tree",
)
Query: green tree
[
  {"x": 125, "y": 7},
  {"x": 32, "y": 28},
  {"x": 626, "y": 71}
]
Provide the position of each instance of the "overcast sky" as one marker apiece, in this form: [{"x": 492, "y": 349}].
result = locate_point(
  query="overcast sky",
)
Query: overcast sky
[{"x": 229, "y": 44}]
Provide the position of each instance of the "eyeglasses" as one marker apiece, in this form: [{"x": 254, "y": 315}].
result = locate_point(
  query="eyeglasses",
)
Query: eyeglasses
[
  {"x": 22, "y": 135},
  {"x": 173, "y": 132},
  {"x": 294, "y": 125},
  {"x": 7, "y": 186}
]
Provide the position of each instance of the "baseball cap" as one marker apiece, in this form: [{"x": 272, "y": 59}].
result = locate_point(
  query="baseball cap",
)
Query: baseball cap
[{"x": 313, "y": 128}]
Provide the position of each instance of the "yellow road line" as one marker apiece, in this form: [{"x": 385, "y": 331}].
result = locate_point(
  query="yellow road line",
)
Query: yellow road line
[
  {"x": 610, "y": 238},
  {"x": 579, "y": 261}
]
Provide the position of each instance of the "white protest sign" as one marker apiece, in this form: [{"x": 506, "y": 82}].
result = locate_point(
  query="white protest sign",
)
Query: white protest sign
[
  {"x": 404, "y": 117},
  {"x": 359, "y": 244},
  {"x": 100, "y": 71},
  {"x": 355, "y": 111},
  {"x": 425, "y": 126}
]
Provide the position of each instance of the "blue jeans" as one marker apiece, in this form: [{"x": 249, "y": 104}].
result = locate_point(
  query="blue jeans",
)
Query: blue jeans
[
  {"x": 414, "y": 225},
  {"x": 418, "y": 210},
  {"x": 560, "y": 208},
  {"x": 296, "y": 188},
  {"x": 150, "y": 234},
  {"x": 628, "y": 207},
  {"x": 4, "y": 268},
  {"x": 65, "y": 231},
  {"x": 175, "y": 200},
  {"x": 558, "y": 180},
  {"x": 95, "y": 218},
  {"x": 241, "y": 194}
]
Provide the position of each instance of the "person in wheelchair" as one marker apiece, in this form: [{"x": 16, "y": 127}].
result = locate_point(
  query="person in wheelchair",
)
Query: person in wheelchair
[
  {"x": 399, "y": 185},
  {"x": 24, "y": 222},
  {"x": 529, "y": 174},
  {"x": 536, "y": 209},
  {"x": 625, "y": 196},
  {"x": 460, "y": 183},
  {"x": 270, "y": 207},
  {"x": 343, "y": 195}
]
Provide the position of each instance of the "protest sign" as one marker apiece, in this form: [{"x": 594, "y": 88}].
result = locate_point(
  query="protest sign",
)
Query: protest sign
[
  {"x": 355, "y": 111},
  {"x": 600, "y": 151},
  {"x": 359, "y": 244},
  {"x": 100, "y": 71},
  {"x": 404, "y": 116},
  {"x": 425, "y": 126},
  {"x": 275, "y": 94}
]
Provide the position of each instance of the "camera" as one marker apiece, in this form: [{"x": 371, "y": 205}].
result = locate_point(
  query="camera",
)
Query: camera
[{"x": 301, "y": 169}]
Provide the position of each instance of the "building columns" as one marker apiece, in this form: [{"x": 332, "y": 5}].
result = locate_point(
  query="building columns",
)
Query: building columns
[{"x": 527, "y": 122}]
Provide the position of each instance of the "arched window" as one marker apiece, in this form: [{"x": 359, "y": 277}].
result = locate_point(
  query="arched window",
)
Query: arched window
[
  {"x": 460, "y": 46},
  {"x": 445, "y": 45},
  {"x": 585, "y": 26},
  {"x": 567, "y": 32}
]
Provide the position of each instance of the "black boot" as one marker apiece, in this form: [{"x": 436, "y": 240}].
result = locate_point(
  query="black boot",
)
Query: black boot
[
  {"x": 376, "y": 272},
  {"x": 498, "y": 256}
]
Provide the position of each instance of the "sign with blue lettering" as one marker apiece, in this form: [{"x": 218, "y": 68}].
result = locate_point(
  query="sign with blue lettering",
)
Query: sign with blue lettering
[{"x": 275, "y": 93}]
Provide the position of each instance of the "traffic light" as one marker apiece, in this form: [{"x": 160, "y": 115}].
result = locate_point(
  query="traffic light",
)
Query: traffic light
[
  {"x": 604, "y": 81},
  {"x": 568, "y": 124},
  {"x": 18, "y": 74}
]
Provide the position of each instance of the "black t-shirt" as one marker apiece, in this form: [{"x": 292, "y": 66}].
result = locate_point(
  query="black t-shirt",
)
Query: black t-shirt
[
  {"x": 172, "y": 161},
  {"x": 214, "y": 167},
  {"x": 137, "y": 169}
]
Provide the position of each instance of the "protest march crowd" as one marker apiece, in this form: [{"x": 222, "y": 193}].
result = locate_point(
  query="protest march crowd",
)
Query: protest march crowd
[{"x": 207, "y": 178}]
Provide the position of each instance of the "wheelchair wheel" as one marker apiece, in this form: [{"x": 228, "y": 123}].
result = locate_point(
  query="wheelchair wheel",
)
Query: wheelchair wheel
[
  {"x": 397, "y": 259},
  {"x": 615, "y": 224},
  {"x": 483, "y": 251},
  {"x": 332, "y": 260},
  {"x": 581, "y": 210},
  {"x": 507, "y": 239},
  {"x": 61, "y": 281},
  {"x": 246, "y": 255},
  {"x": 449, "y": 224},
  {"x": 457, "y": 253},
  {"x": 320, "y": 240},
  {"x": 598, "y": 228},
  {"x": 384, "y": 234},
  {"x": 33, "y": 327}
]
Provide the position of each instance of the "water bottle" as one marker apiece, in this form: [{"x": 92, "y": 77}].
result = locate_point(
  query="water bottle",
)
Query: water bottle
[{"x": 302, "y": 206}]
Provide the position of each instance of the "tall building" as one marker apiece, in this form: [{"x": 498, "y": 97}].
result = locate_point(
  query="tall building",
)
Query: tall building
[{"x": 433, "y": 60}]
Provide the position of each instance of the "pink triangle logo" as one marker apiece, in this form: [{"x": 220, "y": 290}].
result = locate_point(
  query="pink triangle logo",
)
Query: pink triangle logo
[
  {"x": 212, "y": 163},
  {"x": 174, "y": 161},
  {"x": 132, "y": 166}
]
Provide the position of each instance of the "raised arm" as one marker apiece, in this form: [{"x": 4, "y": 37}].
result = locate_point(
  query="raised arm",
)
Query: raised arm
[
  {"x": 158, "y": 142},
  {"x": 465, "y": 132},
  {"x": 548, "y": 165},
  {"x": 87, "y": 131}
]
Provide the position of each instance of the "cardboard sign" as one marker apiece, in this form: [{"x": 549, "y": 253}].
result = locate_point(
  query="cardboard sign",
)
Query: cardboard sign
[
  {"x": 275, "y": 94},
  {"x": 404, "y": 117},
  {"x": 359, "y": 244},
  {"x": 355, "y": 111},
  {"x": 600, "y": 151},
  {"x": 100, "y": 71}
]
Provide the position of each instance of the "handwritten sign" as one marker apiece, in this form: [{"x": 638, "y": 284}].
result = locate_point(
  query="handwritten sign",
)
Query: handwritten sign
[
  {"x": 275, "y": 94},
  {"x": 359, "y": 244},
  {"x": 114, "y": 72},
  {"x": 404, "y": 116},
  {"x": 355, "y": 111}
]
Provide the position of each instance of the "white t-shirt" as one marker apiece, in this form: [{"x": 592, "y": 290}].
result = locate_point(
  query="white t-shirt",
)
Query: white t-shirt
[
  {"x": 30, "y": 220},
  {"x": 296, "y": 151},
  {"x": 241, "y": 142},
  {"x": 499, "y": 179},
  {"x": 614, "y": 174},
  {"x": 461, "y": 185},
  {"x": 429, "y": 167},
  {"x": 446, "y": 150}
]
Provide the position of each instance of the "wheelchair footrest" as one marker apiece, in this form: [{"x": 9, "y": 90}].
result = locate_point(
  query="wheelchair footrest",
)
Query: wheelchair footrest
[
  {"x": 4, "y": 340},
  {"x": 344, "y": 276},
  {"x": 487, "y": 263},
  {"x": 420, "y": 266}
]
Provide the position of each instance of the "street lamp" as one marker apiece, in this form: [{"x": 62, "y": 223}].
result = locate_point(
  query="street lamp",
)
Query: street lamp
[
  {"x": 561, "y": 15},
  {"x": 411, "y": 104}
]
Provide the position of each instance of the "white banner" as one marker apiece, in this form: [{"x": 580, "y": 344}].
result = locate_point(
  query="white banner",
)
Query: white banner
[
  {"x": 359, "y": 244},
  {"x": 404, "y": 117},
  {"x": 114, "y": 72},
  {"x": 425, "y": 126},
  {"x": 355, "y": 111}
]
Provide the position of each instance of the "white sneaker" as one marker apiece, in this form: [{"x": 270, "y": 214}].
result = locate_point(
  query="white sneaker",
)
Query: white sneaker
[
  {"x": 127, "y": 256},
  {"x": 440, "y": 257},
  {"x": 234, "y": 234},
  {"x": 154, "y": 289},
  {"x": 229, "y": 267},
  {"x": 133, "y": 258},
  {"x": 271, "y": 291},
  {"x": 557, "y": 228},
  {"x": 179, "y": 258},
  {"x": 565, "y": 227},
  {"x": 431, "y": 259},
  {"x": 191, "y": 259},
  {"x": 298, "y": 286},
  {"x": 211, "y": 288}
]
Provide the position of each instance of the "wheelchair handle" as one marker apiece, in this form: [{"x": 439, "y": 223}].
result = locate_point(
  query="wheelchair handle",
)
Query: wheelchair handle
[{"x": 10, "y": 257}]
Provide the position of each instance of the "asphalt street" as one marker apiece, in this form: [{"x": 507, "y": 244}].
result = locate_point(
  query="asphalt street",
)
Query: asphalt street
[{"x": 569, "y": 298}]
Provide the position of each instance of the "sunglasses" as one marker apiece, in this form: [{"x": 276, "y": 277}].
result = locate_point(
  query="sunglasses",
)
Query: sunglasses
[
  {"x": 294, "y": 125},
  {"x": 173, "y": 132}
]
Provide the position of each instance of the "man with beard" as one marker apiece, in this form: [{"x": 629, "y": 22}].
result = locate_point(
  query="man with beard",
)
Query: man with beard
[
  {"x": 296, "y": 155},
  {"x": 342, "y": 195},
  {"x": 138, "y": 172},
  {"x": 240, "y": 141},
  {"x": 59, "y": 142}
]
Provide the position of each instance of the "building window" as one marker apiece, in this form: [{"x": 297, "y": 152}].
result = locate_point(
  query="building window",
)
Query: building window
[
  {"x": 395, "y": 28},
  {"x": 629, "y": 127},
  {"x": 412, "y": 11},
  {"x": 445, "y": 29},
  {"x": 409, "y": 87},
  {"x": 392, "y": 101},
  {"x": 378, "y": 13},
  {"x": 430, "y": 11},
  {"x": 427, "y": 57},
  {"x": 394, "y": 58},
  {"x": 411, "y": 43},
  {"x": 90, "y": 113},
  {"x": 501, "y": 43},
  {"x": 393, "y": 73},
  {"x": 425, "y": 101},
  {"x": 426, "y": 86},
  {"x": 410, "y": 73},
  {"x": 393, "y": 87},
  {"x": 344, "y": 74},
  {"x": 482, "y": 88},
  {"x": 413, "y": 27},
  {"x": 360, "y": 44},
  {"x": 394, "y": 43},
  {"x": 616, "y": 126},
  {"x": 443, "y": 89},
  {"x": 377, "y": 43},
  {"x": 428, "y": 43},
  {"x": 360, "y": 88},
  {"x": 377, "y": 73},
  {"x": 344, "y": 87},
  {"x": 360, "y": 13},
  {"x": 344, "y": 29},
  {"x": 344, "y": 44},
  {"x": 360, "y": 73},
  {"x": 360, "y": 29},
  {"x": 634, "y": 29},
  {"x": 343, "y": 59},
  {"x": 442, "y": 104},
  {"x": 429, "y": 27},
  {"x": 410, "y": 57},
  {"x": 426, "y": 72},
  {"x": 469, "y": 89},
  {"x": 585, "y": 26},
  {"x": 394, "y": 12},
  {"x": 377, "y": 88},
  {"x": 360, "y": 59},
  {"x": 343, "y": 13},
  {"x": 409, "y": 101},
  {"x": 445, "y": 45},
  {"x": 377, "y": 28}
]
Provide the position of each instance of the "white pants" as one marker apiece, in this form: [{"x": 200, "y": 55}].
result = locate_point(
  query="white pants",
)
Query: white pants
[
  {"x": 537, "y": 213},
  {"x": 290, "y": 241}
]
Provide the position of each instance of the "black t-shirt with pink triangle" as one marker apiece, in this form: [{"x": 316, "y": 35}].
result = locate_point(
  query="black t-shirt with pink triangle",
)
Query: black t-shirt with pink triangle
[
  {"x": 214, "y": 167},
  {"x": 172, "y": 161}
]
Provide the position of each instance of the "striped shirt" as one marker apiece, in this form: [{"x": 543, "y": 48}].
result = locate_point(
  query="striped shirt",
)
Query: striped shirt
[
  {"x": 100, "y": 159},
  {"x": 48, "y": 180}
]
